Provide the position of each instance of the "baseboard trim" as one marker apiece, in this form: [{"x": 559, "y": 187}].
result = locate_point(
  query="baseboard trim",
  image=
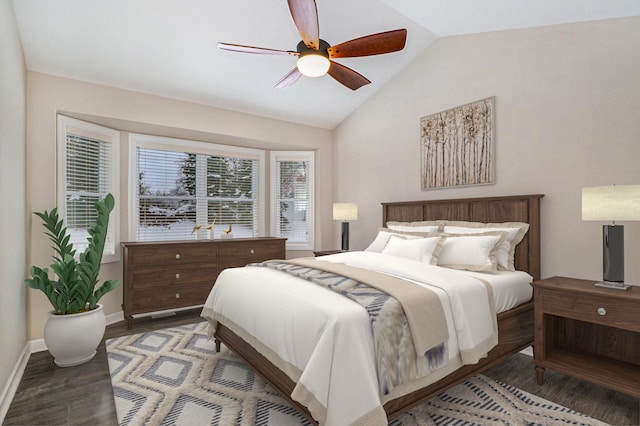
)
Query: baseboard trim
[
  {"x": 115, "y": 317},
  {"x": 14, "y": 380},
  {"x": 36, "y": 345}
]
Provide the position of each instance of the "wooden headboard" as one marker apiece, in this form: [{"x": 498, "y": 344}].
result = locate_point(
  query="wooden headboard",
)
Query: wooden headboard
[{"x": 516, "y": 208}]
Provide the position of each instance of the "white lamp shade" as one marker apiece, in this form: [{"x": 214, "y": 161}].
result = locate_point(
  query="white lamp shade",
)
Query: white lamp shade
[
  {"x": 345, "y": 211},
  {"x": 609, "y": 203},
  {"x": 313, "y": 65}
]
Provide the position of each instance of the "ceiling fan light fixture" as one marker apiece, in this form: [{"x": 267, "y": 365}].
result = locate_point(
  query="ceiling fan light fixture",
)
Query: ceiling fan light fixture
[
  {"x": 313, "y": 62},
  {"x": 313, "y": 65}
]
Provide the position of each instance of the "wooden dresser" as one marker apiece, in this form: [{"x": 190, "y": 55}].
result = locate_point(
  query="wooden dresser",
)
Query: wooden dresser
[
  {"x": 588, "y": 332},
  {"x": 166, "y": 275}
]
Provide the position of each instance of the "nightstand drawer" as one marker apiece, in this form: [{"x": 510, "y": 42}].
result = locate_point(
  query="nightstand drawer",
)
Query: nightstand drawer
[{"x": 611, "y": 312}]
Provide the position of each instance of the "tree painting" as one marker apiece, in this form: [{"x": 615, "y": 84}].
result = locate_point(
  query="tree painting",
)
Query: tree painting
[{"x": 457, "y": 146}]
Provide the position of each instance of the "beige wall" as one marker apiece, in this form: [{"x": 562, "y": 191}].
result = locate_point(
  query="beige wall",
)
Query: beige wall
[
  {"x": 13, "y": 324},
  {"x": 132, "y": 111},
  {"x": 567, "y": 116}
]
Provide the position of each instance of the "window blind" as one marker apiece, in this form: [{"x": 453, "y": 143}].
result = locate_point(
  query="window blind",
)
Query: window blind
[
  {"x": 232, "y": 194},
  {"x": 293, "y": 186},
  {"x": 178, "y": 190},
  {"x": 88, "y": 176}
]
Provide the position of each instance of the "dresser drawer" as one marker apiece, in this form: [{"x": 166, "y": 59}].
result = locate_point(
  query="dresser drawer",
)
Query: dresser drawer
[
  {"x": 161, "y": 298},
  {"x": 173, "y": 275},
  {"x": 172, "y": 254},
  {"x": 241, "y": 253},
  {"x": 611, "y": 311}
]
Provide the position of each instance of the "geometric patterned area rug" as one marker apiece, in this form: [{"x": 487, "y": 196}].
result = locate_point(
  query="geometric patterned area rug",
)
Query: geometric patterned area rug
[{"x": 175, "y": 377}]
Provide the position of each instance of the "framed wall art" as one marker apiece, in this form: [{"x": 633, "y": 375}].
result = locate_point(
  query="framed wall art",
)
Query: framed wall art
[{"x": 457, "y": 146}]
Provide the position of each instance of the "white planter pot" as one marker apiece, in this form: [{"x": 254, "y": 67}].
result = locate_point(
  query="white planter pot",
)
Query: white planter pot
[{"x": 73, "y": 339}]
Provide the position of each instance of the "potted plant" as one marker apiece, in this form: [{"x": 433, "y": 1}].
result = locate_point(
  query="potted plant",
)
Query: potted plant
[{"x": 76, "y": 324}]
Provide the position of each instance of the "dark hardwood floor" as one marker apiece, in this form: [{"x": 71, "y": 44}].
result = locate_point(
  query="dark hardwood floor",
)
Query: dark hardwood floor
[{"x": 81, "y": 395}]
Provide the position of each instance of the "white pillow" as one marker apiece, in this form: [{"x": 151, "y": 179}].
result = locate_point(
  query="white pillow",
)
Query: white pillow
[
  {"x": 421, "y": 249},
  {"x": 423, "y": 226},
  {"x": 476, "y": 252},
  {"x": 383, "y": 236},
  {"x": 515, "y": 232}
]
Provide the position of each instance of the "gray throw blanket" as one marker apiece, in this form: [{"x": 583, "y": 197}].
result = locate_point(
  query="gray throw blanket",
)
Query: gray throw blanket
[{"x": 396, "y": 359}]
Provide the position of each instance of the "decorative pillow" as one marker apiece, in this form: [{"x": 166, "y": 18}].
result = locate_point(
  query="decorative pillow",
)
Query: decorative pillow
[
  {"x": 515, "y": 232},
  {"x": 424, "y": 250},
  {"x": 473, "y": 252},
  {"x": 424, "y": 226},
  {"x": 383, "y": 236}
]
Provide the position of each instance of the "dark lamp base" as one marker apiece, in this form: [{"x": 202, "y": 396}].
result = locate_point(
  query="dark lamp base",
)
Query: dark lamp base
[
  {"x": 345, "y": 236},
  {"x": 613, "y": 253}
]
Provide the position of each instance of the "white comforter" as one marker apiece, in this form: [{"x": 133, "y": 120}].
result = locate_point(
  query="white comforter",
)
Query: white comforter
[{"x": 323, "y": 340}]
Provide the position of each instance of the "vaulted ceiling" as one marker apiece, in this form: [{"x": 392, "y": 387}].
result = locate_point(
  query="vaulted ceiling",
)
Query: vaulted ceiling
[{"x": 168, "y": 47}]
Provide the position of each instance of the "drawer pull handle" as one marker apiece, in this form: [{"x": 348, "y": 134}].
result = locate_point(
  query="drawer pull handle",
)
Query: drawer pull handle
[
  {"x": 177, "y": 276},
  {"x": 252, "y": 251},
  {"x": 177, "y": 295},
  {"x": 178, "y": 256},
  {"x": 602, "y": 311}
]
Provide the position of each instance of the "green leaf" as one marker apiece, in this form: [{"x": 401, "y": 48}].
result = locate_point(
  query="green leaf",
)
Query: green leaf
[
  {"x": 106, "y": 287},
  {"x": 73, "y": 291}
]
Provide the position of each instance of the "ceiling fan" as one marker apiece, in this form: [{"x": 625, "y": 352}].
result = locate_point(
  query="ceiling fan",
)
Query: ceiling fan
[{"x": 314, "y": 54}]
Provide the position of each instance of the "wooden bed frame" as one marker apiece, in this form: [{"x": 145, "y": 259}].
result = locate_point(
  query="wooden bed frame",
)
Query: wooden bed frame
[{"x": 515, "y": 327}]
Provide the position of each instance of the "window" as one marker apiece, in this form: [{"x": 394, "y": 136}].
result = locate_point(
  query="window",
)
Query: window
[
  {"x": 88, "y": 157},
  {"x": 292, "y": 190},
  {"x": 180, "y": 184}
]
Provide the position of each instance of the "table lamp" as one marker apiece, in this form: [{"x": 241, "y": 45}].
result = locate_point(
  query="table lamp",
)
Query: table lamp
[
  {"x": 612, "y": 203},
  {"x": 345, "y": 212}
]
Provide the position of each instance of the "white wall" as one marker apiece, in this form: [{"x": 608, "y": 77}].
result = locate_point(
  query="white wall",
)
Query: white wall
[
  {"x": 133, "y": 111},
  {"x": 13, "y": 322},
  {"x": 567, "y": 116}
]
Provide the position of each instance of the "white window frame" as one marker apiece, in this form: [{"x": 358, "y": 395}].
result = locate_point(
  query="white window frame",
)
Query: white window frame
[
  {"x": 283, "y": 156},
  {"x": 181, "y": 145},
  {"x": 112, "y": 248}
]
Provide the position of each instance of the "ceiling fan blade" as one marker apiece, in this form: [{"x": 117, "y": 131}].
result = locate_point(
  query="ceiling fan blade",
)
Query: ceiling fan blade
[
  {"x": 305, "y": 16},
  {"x": 373, "y": 44},
  {"x": 346, "y": 76},
  {"x": 255, "y": 50},
  {"x": 286, "y": 81}
]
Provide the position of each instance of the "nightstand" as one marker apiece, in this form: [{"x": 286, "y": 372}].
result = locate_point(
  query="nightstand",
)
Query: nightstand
[
  {"x": 588, "y": 332},
  {"x": 327, "y": 252}
]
